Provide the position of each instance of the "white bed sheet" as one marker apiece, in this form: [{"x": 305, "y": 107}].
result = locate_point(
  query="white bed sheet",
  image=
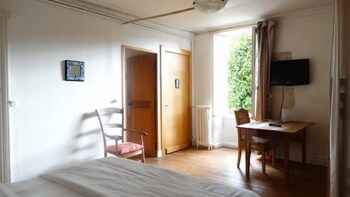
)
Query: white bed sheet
[{"x": 114, "y": 177}]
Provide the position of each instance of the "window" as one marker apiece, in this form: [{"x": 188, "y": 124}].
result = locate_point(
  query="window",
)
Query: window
[
  {"x": 232, "y": 84},
  {"x": 233, "y": 57}
]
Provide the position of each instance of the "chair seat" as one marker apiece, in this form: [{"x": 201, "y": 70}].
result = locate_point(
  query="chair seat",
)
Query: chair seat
[
  {"x": 259, "y": 144},
  {"x": 124, "y": 148}
]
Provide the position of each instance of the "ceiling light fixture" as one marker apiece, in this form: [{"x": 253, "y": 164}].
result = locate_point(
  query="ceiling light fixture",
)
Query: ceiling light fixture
[{"x": 207, "y": 6}]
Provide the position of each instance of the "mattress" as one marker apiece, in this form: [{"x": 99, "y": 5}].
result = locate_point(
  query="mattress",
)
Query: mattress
[{"x": 112, "y": 177}]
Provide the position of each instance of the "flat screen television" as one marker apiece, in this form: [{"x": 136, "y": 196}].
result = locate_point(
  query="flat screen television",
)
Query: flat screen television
[{"x": 290, "y": 72}]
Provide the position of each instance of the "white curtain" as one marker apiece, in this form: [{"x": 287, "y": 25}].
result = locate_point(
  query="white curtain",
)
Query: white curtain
[{"x": 335, "y": 120}]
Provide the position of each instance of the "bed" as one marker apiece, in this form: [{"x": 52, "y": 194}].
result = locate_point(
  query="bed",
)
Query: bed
[{"x": 112, "y": 177}]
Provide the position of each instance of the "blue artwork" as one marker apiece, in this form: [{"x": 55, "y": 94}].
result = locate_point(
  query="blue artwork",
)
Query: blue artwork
[{"x": 74, "y": 70}]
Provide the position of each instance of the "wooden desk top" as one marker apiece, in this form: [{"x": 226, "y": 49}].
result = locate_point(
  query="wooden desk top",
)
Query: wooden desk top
[{"x": 287, "y": 127}]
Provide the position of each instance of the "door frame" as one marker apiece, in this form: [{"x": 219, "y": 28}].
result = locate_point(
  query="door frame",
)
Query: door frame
[
  {"x": 124, "y": 90},
  {"x": 5, "y": 167},
  {"x": 163, "y": 50}
]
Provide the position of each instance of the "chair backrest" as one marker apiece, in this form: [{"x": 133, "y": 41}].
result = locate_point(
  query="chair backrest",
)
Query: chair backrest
[
  {"x": 242, "y": 117},
  {"x": 104, "y": 126}
]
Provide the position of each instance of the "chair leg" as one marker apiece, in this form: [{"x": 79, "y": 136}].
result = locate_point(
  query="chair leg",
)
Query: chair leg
[
  {"x": 239, "y": 156},
  {"x": 264, "y": 162},
  {"x": 249, "y": 153},
  {"x": 143, "y": 150},
  {"x": 143, "y": 156},
  {"x": 273, "y": 156}
]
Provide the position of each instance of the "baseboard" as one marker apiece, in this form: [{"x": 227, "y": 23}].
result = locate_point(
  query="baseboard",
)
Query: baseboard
[
  {"x": 176, "y": 148},
  {"x": 311, "y": 159},
  {"x": 231, "y": 146},
  {"x": 225, "y": 145}
]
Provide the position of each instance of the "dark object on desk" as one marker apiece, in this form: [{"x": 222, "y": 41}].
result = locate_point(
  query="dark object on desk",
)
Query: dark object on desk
[{"x": 275, "y": 124}]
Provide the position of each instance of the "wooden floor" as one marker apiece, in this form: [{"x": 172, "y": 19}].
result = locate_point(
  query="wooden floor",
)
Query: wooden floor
[{"x": 220, "y": 165}]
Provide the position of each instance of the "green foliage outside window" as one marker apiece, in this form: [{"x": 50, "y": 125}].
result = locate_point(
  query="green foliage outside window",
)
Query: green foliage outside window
[{"x": 240, "y": 74}]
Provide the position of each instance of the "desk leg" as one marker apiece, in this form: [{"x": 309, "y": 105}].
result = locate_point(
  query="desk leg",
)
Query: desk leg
[
  {"x": 304, "y": 146},
  {"x": 247, "y": 156},
  {"x": 286, "y": 156}
]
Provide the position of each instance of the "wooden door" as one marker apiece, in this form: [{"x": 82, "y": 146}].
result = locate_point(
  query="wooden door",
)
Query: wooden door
[
  {"x": 176, "y": 110},
  {"x": 141, "y": 88}
]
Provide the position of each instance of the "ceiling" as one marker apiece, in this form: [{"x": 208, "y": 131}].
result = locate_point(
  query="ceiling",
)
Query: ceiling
[{"x": 235, "y": 12}]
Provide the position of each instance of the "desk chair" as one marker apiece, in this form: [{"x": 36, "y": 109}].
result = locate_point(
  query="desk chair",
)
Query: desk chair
[
  {"x": 120, "y": 148},
  {"x": 262, "y": 145}
]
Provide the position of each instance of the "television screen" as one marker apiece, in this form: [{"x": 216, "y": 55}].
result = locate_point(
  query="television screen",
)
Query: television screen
[{"x": 290, "y": 72}]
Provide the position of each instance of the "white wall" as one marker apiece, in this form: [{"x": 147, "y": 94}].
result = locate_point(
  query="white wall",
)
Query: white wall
[
  {"x": 309, "y": 36},
  {"x": 204, "y": 93},
  {"x": 306, "y": 34},
  {"x": 202, "y": 75},
  {"x": 203, "y": 68},
  {"x": 50, "y": 124}
]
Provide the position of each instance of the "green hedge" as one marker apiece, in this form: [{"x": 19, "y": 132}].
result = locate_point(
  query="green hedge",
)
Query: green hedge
[{"x": 240, "y": 74}]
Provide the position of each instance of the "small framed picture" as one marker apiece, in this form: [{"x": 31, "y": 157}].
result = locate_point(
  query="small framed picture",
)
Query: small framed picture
[{"x": 74, "y": 70}]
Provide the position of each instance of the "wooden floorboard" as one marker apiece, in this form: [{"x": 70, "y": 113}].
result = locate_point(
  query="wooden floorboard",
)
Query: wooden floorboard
[{"x": 220, "y": 165}]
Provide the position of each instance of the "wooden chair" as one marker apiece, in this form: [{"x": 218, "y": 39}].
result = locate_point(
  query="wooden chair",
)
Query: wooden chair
[
  {"x": 120, "y": 148},
  {"x": 262, "y": 145}
]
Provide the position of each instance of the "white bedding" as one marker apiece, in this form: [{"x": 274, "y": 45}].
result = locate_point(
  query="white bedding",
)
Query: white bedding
[{"x": 114, "y": 177}]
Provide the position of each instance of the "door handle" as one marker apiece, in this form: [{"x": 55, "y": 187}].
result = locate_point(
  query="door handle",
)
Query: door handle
[{"x": 12, "y": 103}]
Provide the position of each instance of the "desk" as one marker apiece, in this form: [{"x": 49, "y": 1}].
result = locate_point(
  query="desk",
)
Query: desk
[{"x": 288, "y": 131}]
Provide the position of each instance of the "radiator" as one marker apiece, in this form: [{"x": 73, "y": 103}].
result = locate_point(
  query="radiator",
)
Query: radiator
[{"x": 203, "y": 123}]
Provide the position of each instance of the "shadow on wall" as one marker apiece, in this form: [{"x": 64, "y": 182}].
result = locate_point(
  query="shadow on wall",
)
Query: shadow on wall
[
  {"x": 83, "y": 143},
  {"x": 87, "y": 141}
]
